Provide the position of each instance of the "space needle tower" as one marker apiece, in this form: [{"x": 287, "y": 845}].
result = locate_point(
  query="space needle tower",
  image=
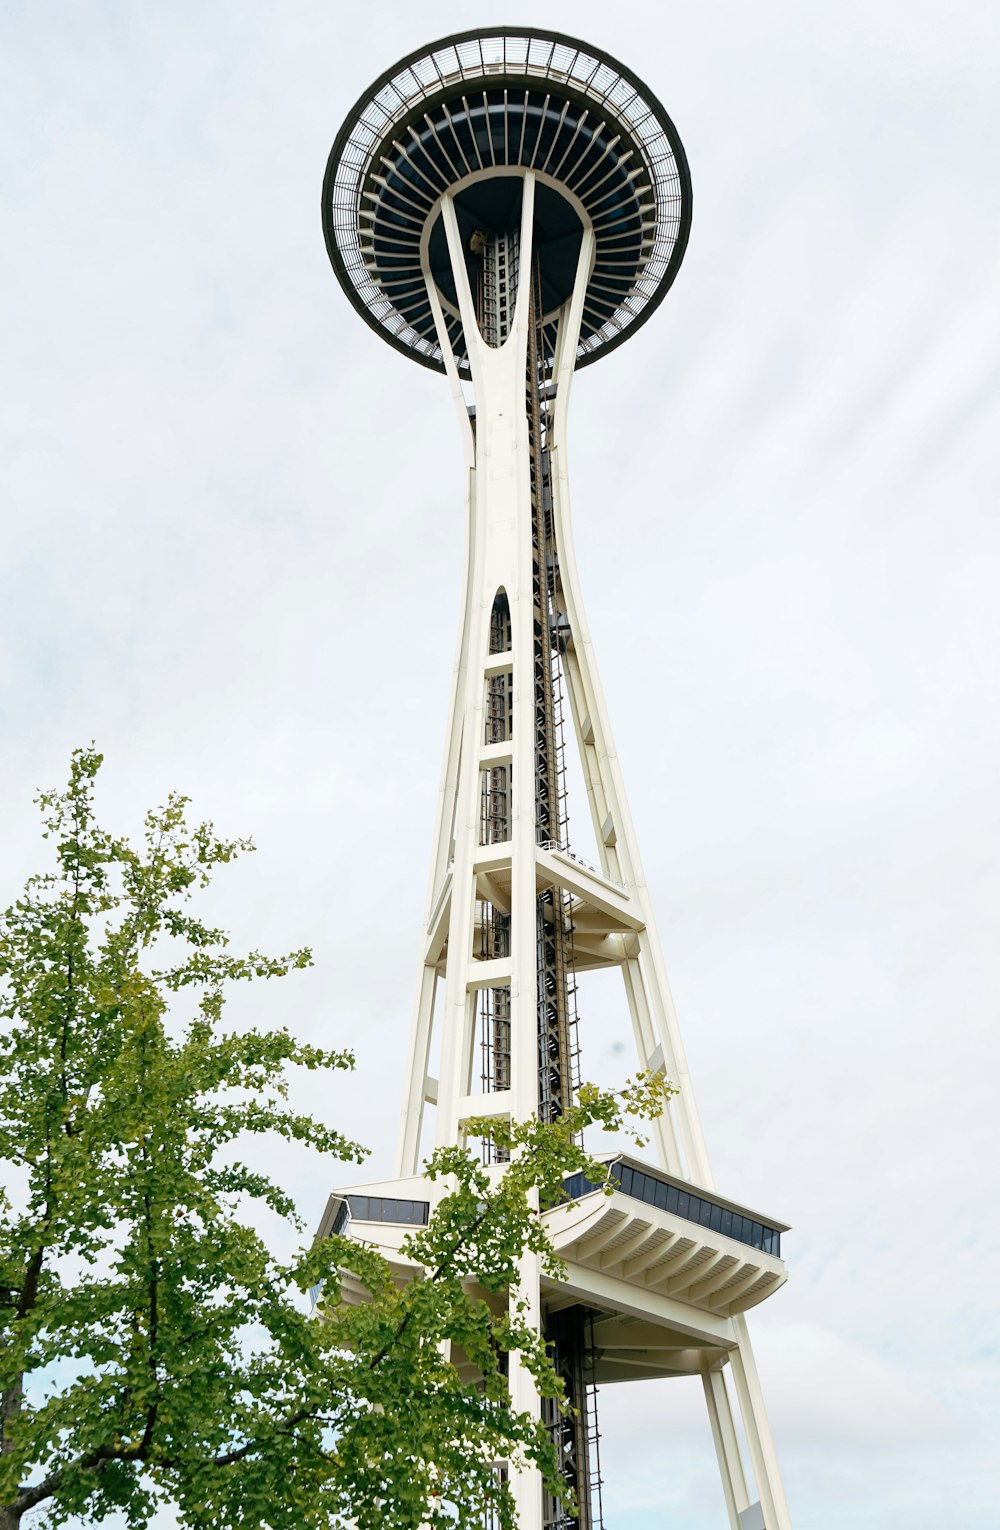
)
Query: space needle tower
[{"x": 505, "y": 207}]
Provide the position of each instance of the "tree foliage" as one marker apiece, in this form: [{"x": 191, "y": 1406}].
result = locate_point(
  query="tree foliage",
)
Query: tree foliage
[{"x": 153, "y": 1347}]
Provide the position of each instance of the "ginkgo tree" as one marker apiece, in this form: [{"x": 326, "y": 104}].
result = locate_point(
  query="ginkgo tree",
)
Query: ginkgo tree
[{"x": 153, "y": 1348}]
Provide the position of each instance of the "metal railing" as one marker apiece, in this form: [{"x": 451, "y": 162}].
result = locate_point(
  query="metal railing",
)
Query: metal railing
[{"x": 551, "y": 844}]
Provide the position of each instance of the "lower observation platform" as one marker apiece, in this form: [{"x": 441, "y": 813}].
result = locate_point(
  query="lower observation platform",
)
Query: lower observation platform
[
  {"x": 661, "y": 1236},
  {"x": 662, "y": 1266}
]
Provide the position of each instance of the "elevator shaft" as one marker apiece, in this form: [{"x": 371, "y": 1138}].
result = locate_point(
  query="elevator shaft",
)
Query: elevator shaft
[
  {"x": 556, "y": 987},
  {"x": 570, "y": 1337},
  {"x": 500, "y": 278}
]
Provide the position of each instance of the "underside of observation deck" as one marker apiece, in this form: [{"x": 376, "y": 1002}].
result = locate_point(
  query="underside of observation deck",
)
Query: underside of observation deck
[{"x": 471, "y": 115}]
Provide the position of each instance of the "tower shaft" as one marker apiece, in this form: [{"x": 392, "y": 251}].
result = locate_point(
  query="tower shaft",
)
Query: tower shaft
[
  {"x": 504, "y": 213},
  {"x": 502, "y": 822},
  {"x": 514, "y": 916}
]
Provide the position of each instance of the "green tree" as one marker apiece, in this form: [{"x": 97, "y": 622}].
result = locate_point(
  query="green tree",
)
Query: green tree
[{"x": 154, "y": 1348}]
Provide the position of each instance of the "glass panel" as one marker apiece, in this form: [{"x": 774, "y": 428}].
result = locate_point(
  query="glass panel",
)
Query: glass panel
[
  {"x": 563, "y": 57},
  {"x": 517, "y": 51},
  {"x": 585, "y": 66},
  {"x": 683, "y": 1203},
  {"x": 377, "y": 1208}
]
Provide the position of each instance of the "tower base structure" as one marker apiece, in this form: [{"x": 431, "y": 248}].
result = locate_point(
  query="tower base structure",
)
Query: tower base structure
[
  {"x": 505, "y": 207},
  {"x": 658, "y": 1278}
]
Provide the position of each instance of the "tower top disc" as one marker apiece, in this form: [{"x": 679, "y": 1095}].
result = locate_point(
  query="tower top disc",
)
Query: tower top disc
[{"x": 471, "y": 115}]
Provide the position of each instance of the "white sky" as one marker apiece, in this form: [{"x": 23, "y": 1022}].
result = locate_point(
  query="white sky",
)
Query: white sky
[{"x": 231, "y": 556}]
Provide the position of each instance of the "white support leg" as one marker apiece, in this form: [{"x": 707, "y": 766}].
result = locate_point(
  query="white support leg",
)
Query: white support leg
[
  {"x": 408, "y": 1153},
  {"x": 758, "y": 1431},
  {"x": 663, "y": 1128},
  {"x": 500, "y": 558},
  {"x": 588, "y": 702},
  {"x": 411, "y": 1122},
  {"x": 727, "y": 1449}
]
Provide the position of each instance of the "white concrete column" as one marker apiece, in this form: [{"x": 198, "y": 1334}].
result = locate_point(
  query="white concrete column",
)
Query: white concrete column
[
  {"x": 411, "y": 1116},
  {"x": 727, "y": 1449},
  {"x": 501, "y": 557},
  {"x": 763, "y": 1455}
]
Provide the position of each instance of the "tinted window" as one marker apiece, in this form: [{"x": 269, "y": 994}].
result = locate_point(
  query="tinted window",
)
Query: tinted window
[
  {"x": 666, "y": 1197},
  {"x": 378, "y": 1208}
]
